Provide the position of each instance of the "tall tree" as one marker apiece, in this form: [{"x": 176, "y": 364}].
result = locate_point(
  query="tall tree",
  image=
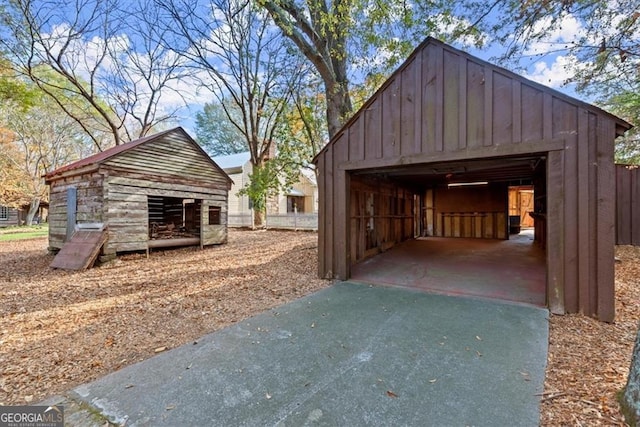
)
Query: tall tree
[
  {"x": 602, "y": 41},
  {"x": 117, "y": 77},
  {"x": 340, "y": 35},
  {"x": 40, "y": 140},
  {"x": 216, "y": 133},
  {"x": 247, "y": 65}
]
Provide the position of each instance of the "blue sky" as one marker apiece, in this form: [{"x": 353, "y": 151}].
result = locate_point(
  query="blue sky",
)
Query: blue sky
[{"x": 548, "y": 70}]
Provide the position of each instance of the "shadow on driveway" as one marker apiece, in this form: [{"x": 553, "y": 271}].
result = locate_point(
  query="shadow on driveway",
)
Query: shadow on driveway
[{"x": 350, "y": 354}]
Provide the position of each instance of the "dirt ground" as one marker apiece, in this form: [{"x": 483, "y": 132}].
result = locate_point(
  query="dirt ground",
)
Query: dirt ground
[{"x": 61, "y": 329}]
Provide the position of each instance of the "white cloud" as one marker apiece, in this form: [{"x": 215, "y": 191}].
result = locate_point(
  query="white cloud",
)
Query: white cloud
[{"x": 553, "y": 74}]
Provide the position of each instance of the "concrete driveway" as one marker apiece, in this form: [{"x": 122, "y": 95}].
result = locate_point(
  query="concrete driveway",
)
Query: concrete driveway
[{"x": 348, "y": 355}]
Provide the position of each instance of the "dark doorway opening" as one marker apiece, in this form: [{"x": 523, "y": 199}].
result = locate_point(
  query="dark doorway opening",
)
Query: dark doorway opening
[
  {"x": 461, "y": 212},
  {"x": 173, "y": 221}
]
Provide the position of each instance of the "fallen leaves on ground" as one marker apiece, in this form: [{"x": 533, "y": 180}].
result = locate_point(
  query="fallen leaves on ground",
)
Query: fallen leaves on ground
[
  {"x": 59, "y": 329},
  {"x": 589, "y": 360}
]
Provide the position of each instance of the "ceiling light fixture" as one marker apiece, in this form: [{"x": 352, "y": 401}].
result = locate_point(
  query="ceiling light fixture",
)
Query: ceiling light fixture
[{"x": 466, "y": 184}]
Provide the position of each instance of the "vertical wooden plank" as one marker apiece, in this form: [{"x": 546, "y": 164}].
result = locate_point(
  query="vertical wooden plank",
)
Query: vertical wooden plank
[
  {"x": 621, "y": 209},
  {"x": 341, "y": 193},
  {"x": 429, "y": 99},
  {"x": 555, "y": 232},
  {"x": 408, "y": 124},
  {"x": 547, "y": 116},
  {"x": 488, "y": 94},
  {"x": 606, "y": 217},
  {"x": 503, "y": 109},
  {"x": 322, "y": 214},
  {"x": 564, "y": 120},
  {"x": 390, "y": 119},
  {"x": 373, "y": 130},
  {"x": 356, "y": 140},
  {"x": 328, "y": 209},
  {"x": 353, "y": 225},
  {"x": 516, "y": 104},
  {"x": 532, "y": 113},
  {"x": 585, "y": 241},
  {"x": 635, "y": 206},
  {"x": 475, "y": 105},
  {"x": 439, "y": 97},
  {"x": 342, "y": 233},
  {"x": 462, "y": 104},
  {"x": 72, "y": 208},
  {"x": 451, "y": 106},
  {"x": 418, "y": 92},
  {"x": 593, "y": 209}
]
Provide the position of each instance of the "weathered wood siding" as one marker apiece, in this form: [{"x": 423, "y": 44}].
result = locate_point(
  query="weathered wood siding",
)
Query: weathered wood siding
[
  {"x": 627, "y": 205},
  {"x": 444, "y": 105},
  {"x": 90, "y": 204},
  {"x": 173, "y": 158},
  {"x": 117, "y": 191},
  {"x": 213, "y": 234},
  {"x": 13, "y": 218},
  {"x": 126, "y": 205}
]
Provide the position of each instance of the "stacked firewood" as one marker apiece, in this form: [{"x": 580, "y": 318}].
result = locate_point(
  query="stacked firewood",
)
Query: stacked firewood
[{"x": 159, "y": 230}]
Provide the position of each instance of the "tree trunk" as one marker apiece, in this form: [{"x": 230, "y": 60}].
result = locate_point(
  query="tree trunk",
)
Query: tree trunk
[
  {"x": 258, "y": 219},
  {"x": 339, "y": 107},
  {"x": 33, "y": 210},
  {"x": 630, "y": 398}
]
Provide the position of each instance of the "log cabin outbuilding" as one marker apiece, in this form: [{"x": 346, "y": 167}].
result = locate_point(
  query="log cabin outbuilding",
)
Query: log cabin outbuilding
[
  {"x": 432, "y": 155},
  {"x": 162, "y": 190}
]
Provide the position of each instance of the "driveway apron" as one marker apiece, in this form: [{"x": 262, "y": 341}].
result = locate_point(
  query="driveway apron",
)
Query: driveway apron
[{"x": 349, "y": 355}]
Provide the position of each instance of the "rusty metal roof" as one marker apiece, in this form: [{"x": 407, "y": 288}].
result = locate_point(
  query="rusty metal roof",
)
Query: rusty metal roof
[{"x": 107, "y": 154}]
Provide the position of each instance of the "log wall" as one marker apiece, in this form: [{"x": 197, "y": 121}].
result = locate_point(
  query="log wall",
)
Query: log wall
[
  {"x": 115, "y": 190},
  {"x": 90, "y": 202}
]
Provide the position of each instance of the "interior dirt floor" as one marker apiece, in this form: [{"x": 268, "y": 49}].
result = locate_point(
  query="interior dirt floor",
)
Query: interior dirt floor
[{"x": 510, "y": 270}]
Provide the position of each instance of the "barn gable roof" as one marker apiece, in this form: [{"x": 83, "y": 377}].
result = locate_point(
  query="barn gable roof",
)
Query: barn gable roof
[
  {"x": 621, "y": 125},
  {"x": 118, "y": 150}
]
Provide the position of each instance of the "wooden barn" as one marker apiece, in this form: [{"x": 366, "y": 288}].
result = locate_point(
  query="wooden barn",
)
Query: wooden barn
[
  {"x": 159, "y": 191},
  {"x": 421, "y": 175}
]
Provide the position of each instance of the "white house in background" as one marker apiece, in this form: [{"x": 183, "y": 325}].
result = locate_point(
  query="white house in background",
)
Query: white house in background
[{"x": 301, "y": 198}]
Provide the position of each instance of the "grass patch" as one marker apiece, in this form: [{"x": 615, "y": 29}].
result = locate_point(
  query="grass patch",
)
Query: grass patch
[{"x": 23, "y": 232}]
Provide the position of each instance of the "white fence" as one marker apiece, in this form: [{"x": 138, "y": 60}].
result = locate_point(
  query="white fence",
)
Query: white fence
[{"x": 288, "y": 221}]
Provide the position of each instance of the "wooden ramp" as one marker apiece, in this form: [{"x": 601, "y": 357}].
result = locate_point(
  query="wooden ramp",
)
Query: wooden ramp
[{"x": 81, "y": 251}]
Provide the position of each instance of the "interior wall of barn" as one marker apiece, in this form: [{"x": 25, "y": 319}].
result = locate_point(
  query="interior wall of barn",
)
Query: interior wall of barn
[
  {"x": 478, "y": 211},
  {"x": 382, "y": 214}
]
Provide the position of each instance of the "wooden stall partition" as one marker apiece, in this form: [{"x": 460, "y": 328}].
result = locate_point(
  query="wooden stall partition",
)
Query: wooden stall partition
[
  {"x": 475, "y": 212},
  {"x": 381, "y": 216}
]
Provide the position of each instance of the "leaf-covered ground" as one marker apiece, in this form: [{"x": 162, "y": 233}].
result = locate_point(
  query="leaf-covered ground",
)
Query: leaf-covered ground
[
  {"x": 60, "y": 329},
  {"x": 589, "y": 360}
]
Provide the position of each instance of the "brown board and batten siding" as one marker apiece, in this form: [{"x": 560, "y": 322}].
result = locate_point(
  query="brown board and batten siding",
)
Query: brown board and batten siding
[
  {"x": 443, "y": 105},
  {"x": 116, "y": 188},
  {"x": 628, "y": 205}
]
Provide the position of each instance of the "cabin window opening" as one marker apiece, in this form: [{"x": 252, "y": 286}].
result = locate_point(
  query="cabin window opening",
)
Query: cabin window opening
[
  {"x": 4, "y": 213},
  {"x": 295, "y": 204},
  {"x": 214, "y": 215}
]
